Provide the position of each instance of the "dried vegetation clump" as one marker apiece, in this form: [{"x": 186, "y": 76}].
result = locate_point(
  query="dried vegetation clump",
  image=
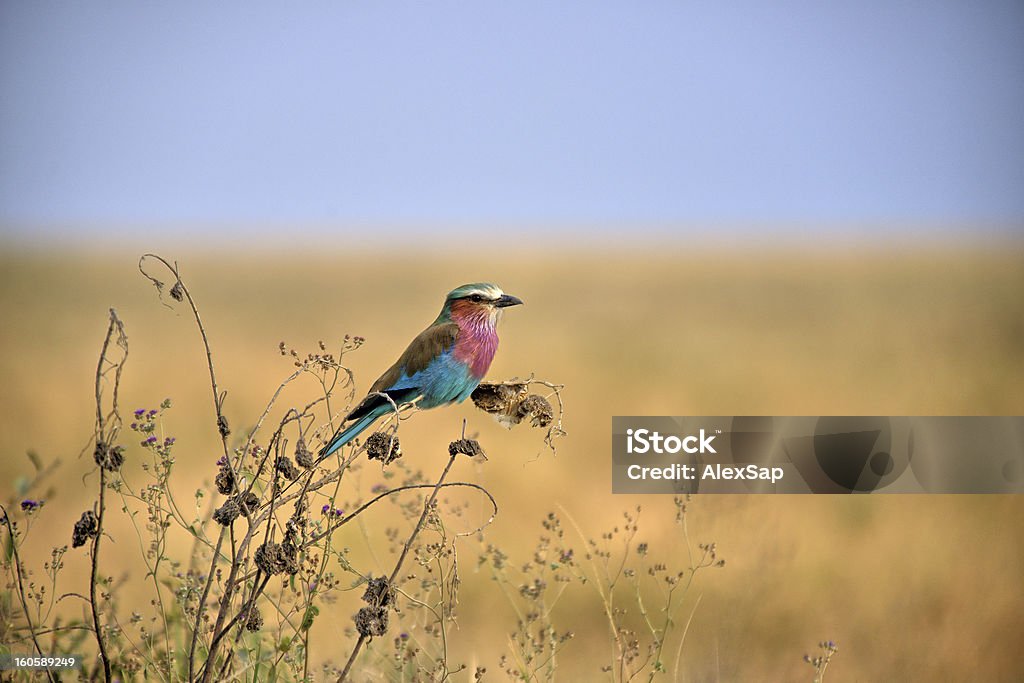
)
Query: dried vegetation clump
[{"x": 244, "y": 603}]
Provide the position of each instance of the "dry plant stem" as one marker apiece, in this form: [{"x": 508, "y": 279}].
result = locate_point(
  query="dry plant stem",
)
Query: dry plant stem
[
  {"x": 102, "y": 435},
  {"x": 220, "y": 629},
  {"x": 682, "y": 639},
  {"x": 202, "y": 601},
  {"x": 21, "y": 588},
  {"x": 401, "y": 559},
  {"x": 97, "y": 629},
  {"x": 246, "y": 606},
  {"x": 225, "y": 604},
  {"x": 606, "y": 601}
]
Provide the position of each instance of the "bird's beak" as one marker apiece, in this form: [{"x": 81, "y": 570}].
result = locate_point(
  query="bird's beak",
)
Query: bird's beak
[{"x": 507, "y": 300}]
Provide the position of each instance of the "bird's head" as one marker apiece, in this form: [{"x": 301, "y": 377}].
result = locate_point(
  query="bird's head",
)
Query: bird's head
[{"x": 477, "y": 301}]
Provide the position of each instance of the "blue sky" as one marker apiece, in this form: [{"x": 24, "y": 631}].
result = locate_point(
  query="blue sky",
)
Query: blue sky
[{"x": 512, "y": 112}]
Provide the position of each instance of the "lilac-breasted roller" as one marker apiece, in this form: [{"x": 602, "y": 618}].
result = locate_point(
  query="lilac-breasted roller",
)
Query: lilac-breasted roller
[{"x": 442, "y": 365}]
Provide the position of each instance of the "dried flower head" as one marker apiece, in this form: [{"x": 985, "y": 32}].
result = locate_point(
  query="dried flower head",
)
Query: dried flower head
[
  {"x": 254, "y": 620},
  {"x": 379, "y": 592},
  {"x": 372, "y": 621},
  {"x": 499, "y": 400},
  {"x": 222, "y": 426},
  {"x": 224, "y": 481},
  {"x": 177, "y": 291},
  {"x": 227, "y": 513},
  {"x": 538, "y": 409},
  {"x": 108, "y": 457},
  {"x": 87, "y": 526},
  {"x": 284, "y": 465},
  {"x": 276, "y": 558},
  {"x": 303, "y": 456},
  {"x": 495, "y": 398},
  {"x": 247, "y": 503},
  {"x": 383, "y": 446},
  {"x": 470, "y": 447},
  {"x": 509, "y": 403}
]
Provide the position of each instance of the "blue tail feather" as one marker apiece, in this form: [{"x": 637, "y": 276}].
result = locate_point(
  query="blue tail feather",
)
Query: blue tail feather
[{"x": 355, "y": 429}]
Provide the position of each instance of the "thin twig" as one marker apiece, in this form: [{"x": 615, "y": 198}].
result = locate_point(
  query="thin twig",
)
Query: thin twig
[
  {"x": 399, "y": 489},
  {"x": 682, "y": 638}
]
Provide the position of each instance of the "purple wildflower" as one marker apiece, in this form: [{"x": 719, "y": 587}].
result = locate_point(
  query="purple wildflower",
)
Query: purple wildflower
[
  {"x": 336, "y": 512},
  {"x": 29, "y": 505},
  {"x": 140, "y": 412}
]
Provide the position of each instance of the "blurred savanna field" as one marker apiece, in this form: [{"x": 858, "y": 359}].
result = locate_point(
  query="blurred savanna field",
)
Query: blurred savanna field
[{"x": 910, "y": 587}]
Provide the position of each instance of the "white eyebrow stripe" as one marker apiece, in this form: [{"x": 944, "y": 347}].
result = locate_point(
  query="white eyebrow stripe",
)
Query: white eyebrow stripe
[{"x": 492, "y": 293}]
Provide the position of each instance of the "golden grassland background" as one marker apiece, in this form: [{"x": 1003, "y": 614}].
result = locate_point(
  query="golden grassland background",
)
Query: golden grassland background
[{"x": 911, "y": 587}]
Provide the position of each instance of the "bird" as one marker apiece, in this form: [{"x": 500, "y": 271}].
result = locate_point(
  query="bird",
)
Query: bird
[{"x": 441, "y": 366}]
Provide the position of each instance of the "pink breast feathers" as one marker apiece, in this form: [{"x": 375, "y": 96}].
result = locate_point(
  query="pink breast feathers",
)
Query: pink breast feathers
[{"x": 477, "y": 341}]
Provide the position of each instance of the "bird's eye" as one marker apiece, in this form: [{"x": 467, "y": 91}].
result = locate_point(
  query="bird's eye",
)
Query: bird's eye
[{"x": 476, "y": 298}]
